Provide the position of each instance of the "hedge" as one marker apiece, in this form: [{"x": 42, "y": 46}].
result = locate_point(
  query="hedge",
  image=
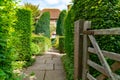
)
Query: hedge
[
  {"x": 60, "y": 23},
  {"x": 43, "y": 43},
  {"x": 61, "y": 44},
  {"x": 68, "y": 60},
  {"x": 43, "y": 25},
  {"x": 7, "y": 20},
  {"x": 103, "y": 14},
  {"x": 23, "y": 29}
]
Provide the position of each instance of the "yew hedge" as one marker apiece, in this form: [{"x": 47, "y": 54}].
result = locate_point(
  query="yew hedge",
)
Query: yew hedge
[
  {"x": 103, "y": 14},
  {"x": 68, "y": 60},
  {"x": 43, "y": 25},
  {"x": 23, "y": 29}
]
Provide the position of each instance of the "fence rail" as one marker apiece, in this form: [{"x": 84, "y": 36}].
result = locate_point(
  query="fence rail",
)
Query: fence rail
[
  {"x": 83, "y": 36},
  {"x": 113, "y": 31}
]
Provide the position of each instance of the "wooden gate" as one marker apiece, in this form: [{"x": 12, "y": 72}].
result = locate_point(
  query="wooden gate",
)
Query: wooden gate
[{"x": 83, "y": 36}]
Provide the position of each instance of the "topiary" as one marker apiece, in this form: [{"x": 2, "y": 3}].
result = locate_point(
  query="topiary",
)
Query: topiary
[
  {"x": 43, "y": 25},
  {"x": 60, "y": 23}
]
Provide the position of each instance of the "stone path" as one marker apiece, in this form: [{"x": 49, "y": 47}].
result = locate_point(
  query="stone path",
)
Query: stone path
[{"x": 46, "y": 67}]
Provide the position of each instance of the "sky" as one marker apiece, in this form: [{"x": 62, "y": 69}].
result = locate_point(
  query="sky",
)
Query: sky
[{"x": 60, "y": 4}]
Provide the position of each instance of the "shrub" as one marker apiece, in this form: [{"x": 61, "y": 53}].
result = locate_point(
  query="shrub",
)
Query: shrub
[
  {"x": 44, "y": 43},
  {"x": 23, "y": 29},
  {"x": 69, "y": 67},
  {"x": 7, "y": 20},
  {"x": 69, "y": 44},
  {"x": 61, "y": 44},
  {"x": 69, "y": 33},
  {"x": 103, "y": 14},
  {"x": 56, "y": 42},
  {"x": 43, "y": 25},
  {"x": 60, "y": 23},
  {"x": 35, "y": 49}
]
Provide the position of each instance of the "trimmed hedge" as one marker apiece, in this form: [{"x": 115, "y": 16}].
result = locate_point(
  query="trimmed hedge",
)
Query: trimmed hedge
[
  {"x": 23, "y": 29},
  {"x": 43, "y": 25},
  {"x": 103, "y": 14},
  {"x": 68, "y": 60},
  {"x": 61, "y": 44},
  {"x": 60, "y": 23},
  {"x": 43, "y": 43}
]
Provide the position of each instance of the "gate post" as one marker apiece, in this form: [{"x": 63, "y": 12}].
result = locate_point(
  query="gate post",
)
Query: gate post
[
  {"x": 86, "y": 42},
  {"x": 78, "y": 49}
]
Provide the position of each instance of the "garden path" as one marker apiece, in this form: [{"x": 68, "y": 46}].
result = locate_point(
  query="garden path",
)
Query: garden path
[{"x": 46, "y": 67}]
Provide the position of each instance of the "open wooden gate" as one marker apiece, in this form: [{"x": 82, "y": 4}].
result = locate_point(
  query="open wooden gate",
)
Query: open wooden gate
[{"x": 83, "y": 36}]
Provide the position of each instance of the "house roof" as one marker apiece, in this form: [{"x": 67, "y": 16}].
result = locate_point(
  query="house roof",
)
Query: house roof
[{"x": 54, "y": 13}]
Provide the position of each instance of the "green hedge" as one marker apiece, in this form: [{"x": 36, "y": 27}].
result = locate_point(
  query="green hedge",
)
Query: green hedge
[
  {"x": 103, "y": 14},
  {"x": 23, "y": 29},
  {"x": 61, "y": 44},
  {"x": 43, "y": 25},
  {"x": 69, "y": 67},
  {"x": 60, "y": 23},
  {"x": 43, "y": 43},
  {"x": 7, "y": 20},
  {"x": 68, "y": 60}
]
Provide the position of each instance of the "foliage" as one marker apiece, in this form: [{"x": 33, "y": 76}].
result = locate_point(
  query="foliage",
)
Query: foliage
[
  {"x": 18, "y": 64},
  {"x": 35, "y": 49},
  {"x": 43, "y": 25},
  {"x": 34, "y": 9},
  {"x": 43, "y": 42},
  {"x": 23, "y": 27},
  {"x": 69, "y": 44},
  {"x": 103, "y": 14},
  {"x": 7, "y": 20},
  {"x": 35, "y": 13},
  {"x": 61, "y": 44},
  {"x": 55, "y": 42},
  {"x": 60, "y": 23},
  {"x": 69, "y": 67},
  {"x": 69, "y": 33}
]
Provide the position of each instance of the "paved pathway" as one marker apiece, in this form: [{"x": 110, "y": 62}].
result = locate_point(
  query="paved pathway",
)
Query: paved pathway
[{"x": 46, "y": 67}]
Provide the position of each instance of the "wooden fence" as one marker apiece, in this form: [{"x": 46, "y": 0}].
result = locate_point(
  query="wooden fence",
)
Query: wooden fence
[{"x": 83, "y": 36}]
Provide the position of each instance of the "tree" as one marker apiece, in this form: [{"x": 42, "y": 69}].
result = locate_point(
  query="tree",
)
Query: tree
[
  {"x": 60, "y": 23},
  {"x": 35, "y": 10},
  {"x": 43, "y": 25}
]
